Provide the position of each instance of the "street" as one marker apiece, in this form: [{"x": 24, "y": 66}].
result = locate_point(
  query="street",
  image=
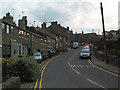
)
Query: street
[{"x": 68, "y": 71}]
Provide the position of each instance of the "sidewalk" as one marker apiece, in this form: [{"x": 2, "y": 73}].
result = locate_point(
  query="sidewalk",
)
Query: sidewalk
[{"x": 104, "y": 65}]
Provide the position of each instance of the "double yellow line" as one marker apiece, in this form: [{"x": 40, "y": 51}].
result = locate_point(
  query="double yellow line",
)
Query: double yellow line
[
  {"x": 42, "y": 70},
  {"x": 103, "y": 69}
]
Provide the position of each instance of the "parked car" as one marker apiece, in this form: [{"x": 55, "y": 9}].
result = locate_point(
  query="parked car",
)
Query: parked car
[
  {"x": 86, "y": 48},
  {"x": 83, "y": 43},
  {"x": 75, "y": 45},
  {"x": 85, "y": 53},
  {"x": 37, "y": 56}
]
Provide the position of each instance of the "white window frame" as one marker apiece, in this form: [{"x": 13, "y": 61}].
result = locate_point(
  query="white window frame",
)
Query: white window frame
[{"x": 7, "y": 29}]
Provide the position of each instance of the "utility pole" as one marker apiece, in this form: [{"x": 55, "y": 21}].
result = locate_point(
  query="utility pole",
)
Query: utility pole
[{"x": 105, "y": 48}]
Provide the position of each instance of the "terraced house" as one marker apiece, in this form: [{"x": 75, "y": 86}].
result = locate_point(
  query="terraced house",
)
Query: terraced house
[
  {"x": 64, "y": 34},
  {"x": 23, "y": 40}
]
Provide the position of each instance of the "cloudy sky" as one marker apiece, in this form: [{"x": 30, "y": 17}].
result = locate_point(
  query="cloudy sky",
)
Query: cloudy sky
[{"x": 79, "y": 15}]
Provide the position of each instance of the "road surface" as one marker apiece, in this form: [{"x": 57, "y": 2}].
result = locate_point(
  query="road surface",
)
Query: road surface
[{"x": 68, "y": 71}]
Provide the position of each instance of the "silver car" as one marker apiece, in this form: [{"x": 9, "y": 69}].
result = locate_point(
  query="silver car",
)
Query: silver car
[
  {"x": 85, "y": 53},
  {"x": 37, "y": 56}
]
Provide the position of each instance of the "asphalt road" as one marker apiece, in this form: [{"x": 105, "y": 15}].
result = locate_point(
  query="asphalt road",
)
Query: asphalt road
[{"x": 68, "y": 71}]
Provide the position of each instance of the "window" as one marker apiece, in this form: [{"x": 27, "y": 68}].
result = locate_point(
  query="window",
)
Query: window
[
  {"x": 8, "y": 49},
  {"x": 3, "y": 27},
  {"x": 3, "y": 49},
  {"x": 60, "y": 45},
  {"x": 28, "y": 36},
  {"x": 24, "y": 35},
  {"x": 56, "y": 45},
  {"x": 22, "y": 50},
  {"x": 45, "y": 40},
  {"x": 56, "y": 38},
  {"x": 54, "y": 41},
  {"x": 60, "y": 37},
  {"x": 19, "y": 50},
  {"x": 11, "y": 30},
  {"x": 32, "y": 38},
  {"x": 7, "y": 29},
  {"x": 14, "y": 51},
  {"x": 20, "y": 33},
  {"x": 25, "y": 50}
]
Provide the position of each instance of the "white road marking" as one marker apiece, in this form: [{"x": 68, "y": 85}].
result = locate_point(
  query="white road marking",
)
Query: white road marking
[
  {"x": 81, "y": 66},
  {"x": 95, "y": 83},
  {"x": 72, "y": 65},
  {"x": 73, "y": 68},
  {"x": 86, "y": 65},
  {"x": 70, "y": 59}
]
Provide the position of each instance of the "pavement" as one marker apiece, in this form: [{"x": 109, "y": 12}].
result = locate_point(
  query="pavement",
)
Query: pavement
[{"x": 107, "y": 66}]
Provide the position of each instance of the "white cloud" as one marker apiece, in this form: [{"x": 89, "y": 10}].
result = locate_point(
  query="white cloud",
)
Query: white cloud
[{"x": 77, "y": 14}]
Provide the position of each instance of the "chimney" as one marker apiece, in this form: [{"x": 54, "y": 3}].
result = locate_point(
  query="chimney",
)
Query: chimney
[
  {"x": 54, "y": 23},
  {"x": 67, "y": 28},
  {"x": 22, "y": 23},
  {"x": 82, "y": 32},
  {"x": 8, "y": 18},
  {"x": 43, "y": 25}
]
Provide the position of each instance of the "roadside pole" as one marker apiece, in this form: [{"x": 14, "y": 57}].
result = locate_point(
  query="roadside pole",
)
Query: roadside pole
[{"x": 105, "y": 48}]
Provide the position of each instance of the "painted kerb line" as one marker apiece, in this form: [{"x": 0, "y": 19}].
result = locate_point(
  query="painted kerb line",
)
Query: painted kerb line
[
  {"x": 42, "y": 69},
  {"x": 103, "y": 69}
]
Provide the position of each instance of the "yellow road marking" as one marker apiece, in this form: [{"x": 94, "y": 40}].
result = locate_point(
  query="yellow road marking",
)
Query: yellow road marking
[
  {"x": 103, "y": 69},
  {"x": 44, "y": 64},
  {"x": 36, "y": 84},
  {"x": 44, "y": 69}
]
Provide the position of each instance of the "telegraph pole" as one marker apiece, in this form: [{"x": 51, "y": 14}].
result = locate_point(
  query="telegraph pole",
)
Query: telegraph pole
[{"x": 105, "y": 48}]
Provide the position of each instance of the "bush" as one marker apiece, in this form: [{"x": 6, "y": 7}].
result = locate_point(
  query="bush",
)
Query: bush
[
  {"x": 27, "y": 69},
  {"x": 99, "y": 44},
  {"x": 112, "y": 44}
]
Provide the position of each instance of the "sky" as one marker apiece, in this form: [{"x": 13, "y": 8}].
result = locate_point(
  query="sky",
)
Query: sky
[{"x": 79, "y": 15}]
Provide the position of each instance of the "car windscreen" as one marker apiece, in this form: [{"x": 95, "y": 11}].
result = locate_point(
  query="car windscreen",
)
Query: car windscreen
[
  {"x": 37, "y": 54},
  {"x": 85, "y": 52}
]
